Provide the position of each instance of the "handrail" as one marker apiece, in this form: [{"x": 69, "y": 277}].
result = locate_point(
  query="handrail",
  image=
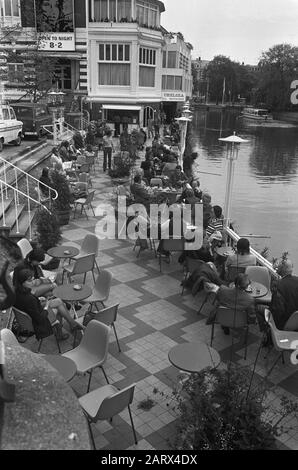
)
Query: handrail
[
  {"x": 261, "y": 260},
  {"x": 5, "y": 162},
  {"x": 23, "y": 194}
]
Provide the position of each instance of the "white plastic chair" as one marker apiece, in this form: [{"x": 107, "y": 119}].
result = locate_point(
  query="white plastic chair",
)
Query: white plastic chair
[
  {"x": 260, "y": 274},
  {"x": 82, "y": 265},
  {"x": 8, "y": 337},
  {"x": 106, "y": 402},
  {"x": 282, "y": 339},
  {"x": 90, "y": 245},
  {"x": 101, "y": 289},
  {"x": 156, "y": 182},
  {"x": 25, "y": 247},
  {"x": 108, "y": 316},
  {"x": 93, "y": 349}
]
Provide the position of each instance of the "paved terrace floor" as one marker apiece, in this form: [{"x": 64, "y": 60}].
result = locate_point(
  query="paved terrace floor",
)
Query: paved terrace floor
[{"x": 154, "y": 317}]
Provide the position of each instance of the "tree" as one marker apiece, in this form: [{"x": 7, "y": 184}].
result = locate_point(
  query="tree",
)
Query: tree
[
  {"x": 277, "y": 69},
  {"x": 237, "y": 78}
]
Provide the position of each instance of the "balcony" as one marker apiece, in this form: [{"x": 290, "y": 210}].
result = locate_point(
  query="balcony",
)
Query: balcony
[{"x": 126, "y": 27}]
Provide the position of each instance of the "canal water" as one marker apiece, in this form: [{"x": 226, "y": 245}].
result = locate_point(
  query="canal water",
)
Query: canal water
[{"x": 265, "y": 190}]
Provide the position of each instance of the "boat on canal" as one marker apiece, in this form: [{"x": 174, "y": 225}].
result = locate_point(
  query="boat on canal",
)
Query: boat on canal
[{"x": 256, "y": 114}]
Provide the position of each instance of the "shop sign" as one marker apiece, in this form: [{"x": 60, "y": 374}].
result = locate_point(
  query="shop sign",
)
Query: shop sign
[{"x": 173, "y": 96}]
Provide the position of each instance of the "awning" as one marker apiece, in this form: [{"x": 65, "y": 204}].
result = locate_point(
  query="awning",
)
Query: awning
[{"x": 121, "y": 106}]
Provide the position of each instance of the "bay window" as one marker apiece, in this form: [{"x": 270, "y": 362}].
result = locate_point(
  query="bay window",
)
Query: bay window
[
  {"x": 112, "y": 10},
  {"x": 114, "y": 64},
  {"x": 147, "y": 13}
]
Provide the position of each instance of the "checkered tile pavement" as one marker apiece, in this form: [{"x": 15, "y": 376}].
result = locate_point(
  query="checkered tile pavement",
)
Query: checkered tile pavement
[{"x": 154, "y": 317}]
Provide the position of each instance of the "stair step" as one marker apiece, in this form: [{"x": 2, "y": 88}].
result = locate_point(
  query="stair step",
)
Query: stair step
[
  {"x": 24, "y": 223},
  {"x": 10, "y": 215},
  {"x": 6, "y": 204}
]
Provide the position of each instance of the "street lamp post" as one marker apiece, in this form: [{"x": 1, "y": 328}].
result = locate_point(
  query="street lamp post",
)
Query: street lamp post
[
  {"x": 183, "y": 121},
  {"x": 233, "y": 142},
  {"x": 56, "y": 105}
]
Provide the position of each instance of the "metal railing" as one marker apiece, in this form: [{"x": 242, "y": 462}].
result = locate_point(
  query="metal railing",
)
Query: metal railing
[
  {"x": 4, "y": 187},
  {"x": 232, "y": 238},
  {"x": 8, "y": 166}
]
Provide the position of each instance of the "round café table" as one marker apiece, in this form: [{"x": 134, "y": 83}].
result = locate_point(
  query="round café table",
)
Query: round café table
[
  {"x": 256, "y": 289},
  {"x": 68, "y": 293},
  {"x": 193, "y": 357},
  {"x": 224, "y": 251},
  {"x": 63, "y": 251},
  {"x": 65, "y": 366}
]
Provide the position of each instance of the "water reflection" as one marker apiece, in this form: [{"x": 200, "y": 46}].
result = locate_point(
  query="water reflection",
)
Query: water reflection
[{"x": 266, "y": 177}]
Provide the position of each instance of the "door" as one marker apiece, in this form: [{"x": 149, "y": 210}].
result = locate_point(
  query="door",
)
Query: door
[{"x": 148, "y": 114}]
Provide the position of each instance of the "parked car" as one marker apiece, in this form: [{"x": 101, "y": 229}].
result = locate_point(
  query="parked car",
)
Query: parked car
[
  {"x": 34, "y": 117},
  {"x": 10, "y": 127}
]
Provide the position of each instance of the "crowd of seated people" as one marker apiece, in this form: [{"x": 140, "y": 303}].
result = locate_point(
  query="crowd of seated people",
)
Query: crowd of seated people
[{"x": 34, "y": 296}]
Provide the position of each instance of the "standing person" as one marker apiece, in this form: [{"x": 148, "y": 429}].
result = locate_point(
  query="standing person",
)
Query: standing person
[
  {"x": 150, "y": 128},
  {"x": 156, "y": 122},
  {"x": 108, "y": 148},
  {"x": 284, "y": 303}
]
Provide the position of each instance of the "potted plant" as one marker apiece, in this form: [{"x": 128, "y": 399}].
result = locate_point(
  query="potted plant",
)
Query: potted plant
[
  {"x": 61, "y": 205},
  {"x": 221, "y": 409},
  {"x": 47, "y": 232}
]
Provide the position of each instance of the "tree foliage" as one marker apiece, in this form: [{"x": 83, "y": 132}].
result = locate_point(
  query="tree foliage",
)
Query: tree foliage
[
  {"x": 277, "y": 68},
  {"x": 238, "y": 79}
]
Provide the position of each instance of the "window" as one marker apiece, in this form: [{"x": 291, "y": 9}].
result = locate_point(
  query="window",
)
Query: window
[
  {"x": 63, "y": 76},
  {"x": 114, "y": 74},
  {"x": 113, "y": 10},
  {"x": 15, "y": 73},
  {"x": 12, "y": 113},
  {"x": 114, "y": 52},
  {"x": 147, "y": 60},
  {"x": 9, "y": 8},
  {"x": 172, "y": 59},
  {"x": 147, "y": 13},
  {"x": 147, "y": 76},
  {"x": 114, "y": 64},
  {"x": 5, "y": 113},
  {"x": 171, "y": 82},
  {"x": 183, "y": 62},
  {"x": 147, "y": 56}
]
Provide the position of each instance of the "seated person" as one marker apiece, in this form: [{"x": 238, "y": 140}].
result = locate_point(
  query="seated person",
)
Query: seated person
[
  {"x": 236, "y": 298},
  {"x": 178, "y": 178},
  {"x": 207, "y": 210},
  {"x": 284, "y": 303},
  {"x": 64, "y": 151},
  {"x": 148, "y": 167},
  {"x": 196, "y": 189},
  {"x": 169, "y": 167},
  {"x": 242, "y": 257},
  {"x": 42, "y": 313},
  {"x": 216, "y": 223},
  {"x": 42, "y": 285},
  {"x": 56, "y": 160},
  {"x": 204, "y": 272},
  {"x": 45, "y": 180},
  {"x": 140, "y": 191}
]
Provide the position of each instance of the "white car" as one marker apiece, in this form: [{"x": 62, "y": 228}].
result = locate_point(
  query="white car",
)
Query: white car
[{"x": 10, "y": 127}]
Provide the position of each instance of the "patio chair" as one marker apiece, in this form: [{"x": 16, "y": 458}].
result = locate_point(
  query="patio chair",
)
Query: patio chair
[
  {"x": 84, "y": 202},
  {"x": 8, "y": 337},
  {"x": 282, "y": 340},
  {"x": 25, "y": 323},
  {"x": 106, "y": 402},
  {"x": 190, "y": 265},
  {"x": 231, "y": 318},
  {"x": 171, "y": 244},
  {"x": 81, "y": 265},
  {"x": 92, "y": 351},
  {"x": 85, "y": 177},
  {"x": 90, "y": 245},
  {"x": 108, "y": 316},
  {"x": 25, "y": 247},
  {"x": 260, "y": 274},
  {"x": 101, "y": 290}
]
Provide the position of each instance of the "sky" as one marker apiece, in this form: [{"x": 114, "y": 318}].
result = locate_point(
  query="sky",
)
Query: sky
[{"x": 239, "y": 29}]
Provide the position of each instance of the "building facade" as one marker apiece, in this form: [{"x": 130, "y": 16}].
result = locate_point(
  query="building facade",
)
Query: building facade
[
  {"x": 176, "y": 73},
  {"x": 113, "y": 55}
]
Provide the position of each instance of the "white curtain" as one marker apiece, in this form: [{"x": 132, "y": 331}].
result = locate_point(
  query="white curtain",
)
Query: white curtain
[
  {"x": 124, "y": 9},
  {"x": 147, "y": 76},
  {"x": 114, "y": 74}
]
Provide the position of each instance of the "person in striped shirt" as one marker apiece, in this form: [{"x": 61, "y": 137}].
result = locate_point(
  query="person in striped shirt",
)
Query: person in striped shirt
[{"x": 216, "y": 223}]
